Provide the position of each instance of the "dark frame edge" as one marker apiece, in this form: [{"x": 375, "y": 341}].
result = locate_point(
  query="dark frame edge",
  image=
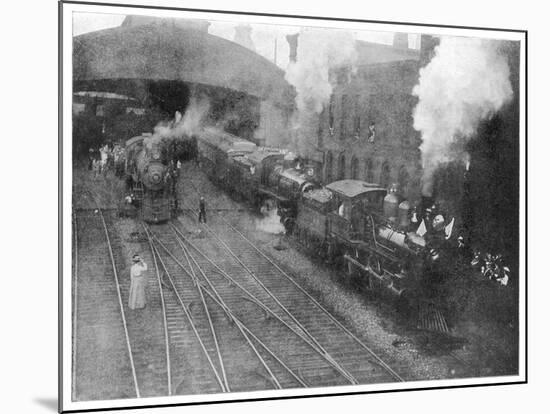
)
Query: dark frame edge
[
  {"x": 60, "y": 206},
  {"x": 525, "y": 33}
]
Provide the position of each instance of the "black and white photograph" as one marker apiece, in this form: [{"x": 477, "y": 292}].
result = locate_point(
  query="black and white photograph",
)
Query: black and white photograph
[{"x": 264, "y": 206}]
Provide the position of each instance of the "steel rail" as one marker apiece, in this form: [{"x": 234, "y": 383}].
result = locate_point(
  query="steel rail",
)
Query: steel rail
[
  {"x": 189, "y": 318},
  {"x": 199, "y": 287},
  {"x": 215, "y": 296},
  {"x": 300, "y": 332},
  {"x": 164, "y": 321},
  {"x": 327, "y": 356},
  {"x": 317, "y": 304},
  {"x": 120, "y": 300},
  {"x": 212, "y": 329},
  {"x": 379, "y": 361}
]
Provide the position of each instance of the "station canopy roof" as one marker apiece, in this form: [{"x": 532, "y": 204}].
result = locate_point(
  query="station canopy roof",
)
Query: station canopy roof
[{"x": 160, "y": 49}]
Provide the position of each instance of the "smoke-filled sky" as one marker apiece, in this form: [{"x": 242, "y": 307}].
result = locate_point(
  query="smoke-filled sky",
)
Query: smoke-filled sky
[
  {"x": 263, "y": 36},
  {"x": 467, "y": 81}
]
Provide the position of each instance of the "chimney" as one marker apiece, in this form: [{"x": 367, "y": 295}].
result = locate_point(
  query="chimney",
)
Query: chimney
[
  {"x": 401, "y": 40},
  {"x": 293, "y": 46},
  {"x": 428, "y": 44},
  {"x": 243, "y": 36}
]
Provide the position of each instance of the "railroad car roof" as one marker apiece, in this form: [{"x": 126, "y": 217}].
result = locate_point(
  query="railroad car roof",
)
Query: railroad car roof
[
  {"x": 226, "y": 142},
  {"x": 243, "y": 159},
  {"x": 294, "y": 175},
  {"x": 353, "y": 188},
  {"x": 262, "y": 153},
  {"x": 321, "y": 195}
]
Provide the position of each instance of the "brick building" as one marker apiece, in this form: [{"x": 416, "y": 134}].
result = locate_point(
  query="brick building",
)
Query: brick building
[{"x": 366, "y": 130}]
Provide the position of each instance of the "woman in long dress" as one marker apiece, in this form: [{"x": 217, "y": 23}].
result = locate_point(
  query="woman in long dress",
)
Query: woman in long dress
[{"x": 138, "y": 282}]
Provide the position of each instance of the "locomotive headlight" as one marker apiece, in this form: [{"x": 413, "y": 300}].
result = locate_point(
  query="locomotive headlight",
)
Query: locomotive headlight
[{"x": 155, "y": 178}]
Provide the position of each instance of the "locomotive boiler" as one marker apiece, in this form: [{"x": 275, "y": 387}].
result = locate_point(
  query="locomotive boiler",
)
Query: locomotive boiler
[{"x": 151, "y": 178}]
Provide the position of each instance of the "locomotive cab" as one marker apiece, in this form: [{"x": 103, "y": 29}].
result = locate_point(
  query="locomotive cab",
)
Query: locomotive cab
[{"x": 356, "y": 200}]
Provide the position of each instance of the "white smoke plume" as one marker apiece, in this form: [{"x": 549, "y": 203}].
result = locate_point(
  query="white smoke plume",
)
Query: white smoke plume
[
  {"x": 318, "y": 51},
  {"x": 271, "y": 221},
  {"x": 467, "y": 81},
  {"x": 182, "y": 127}
]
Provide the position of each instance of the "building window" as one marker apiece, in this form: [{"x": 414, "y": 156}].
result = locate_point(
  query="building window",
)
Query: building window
[
  {"x": 385, "y": 175},
  {"x": 356, "y": 117},
  {"x": 331, "y": 115},
  {"x": 344, "y": 116},
  {"x": 369, "y": 171},
  {"x": 328, "y": 168},
  {"x": 355, "y": 168},
  {"x": 342, "y": 167},
  {"x": 371, "y": 133}
]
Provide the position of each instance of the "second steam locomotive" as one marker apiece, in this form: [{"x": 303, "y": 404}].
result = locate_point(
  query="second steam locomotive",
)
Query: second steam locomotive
[{"x": 151, "y": 178}]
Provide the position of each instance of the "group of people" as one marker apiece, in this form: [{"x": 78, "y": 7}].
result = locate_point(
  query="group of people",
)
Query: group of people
[{"x": 105, "y": 159}]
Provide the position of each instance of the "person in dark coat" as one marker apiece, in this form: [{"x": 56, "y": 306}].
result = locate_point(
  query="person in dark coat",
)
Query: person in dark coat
[{"x": 202, "y": 210}]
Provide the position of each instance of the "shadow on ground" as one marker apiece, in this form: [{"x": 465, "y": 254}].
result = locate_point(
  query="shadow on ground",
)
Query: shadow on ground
[{"x": 49, "y": 403}]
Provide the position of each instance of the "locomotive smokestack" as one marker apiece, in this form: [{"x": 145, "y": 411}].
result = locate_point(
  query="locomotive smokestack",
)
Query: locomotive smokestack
[
  {"x": 243, "y": 36},
  {"x": 293, "y": 45},
  {"x": 401, "y": 40}
]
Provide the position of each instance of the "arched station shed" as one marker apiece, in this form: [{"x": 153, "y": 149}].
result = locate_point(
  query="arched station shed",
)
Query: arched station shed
[{"x": 166, "y": 61}]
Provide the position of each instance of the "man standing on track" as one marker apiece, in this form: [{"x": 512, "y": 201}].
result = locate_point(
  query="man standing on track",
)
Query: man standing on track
[
  {"x": 202, "y": 210},
  {"x": 138, "y": 283}
]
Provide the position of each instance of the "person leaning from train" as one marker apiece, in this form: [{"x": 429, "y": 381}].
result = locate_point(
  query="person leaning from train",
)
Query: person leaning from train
[
  {"x": 202, "y": 210},
  {"x": 138, "y": 283}
]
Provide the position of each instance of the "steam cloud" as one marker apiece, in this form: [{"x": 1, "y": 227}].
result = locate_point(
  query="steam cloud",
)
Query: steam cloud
[
  {"x": 467, "y": 81},
  {"x": 318, "y": 51},
  {"x": 182, "y": 127},
  {"x": 271, "y": 221}
]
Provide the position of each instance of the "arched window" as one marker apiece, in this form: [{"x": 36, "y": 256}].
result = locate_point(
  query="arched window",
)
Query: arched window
[
  {"x": 354, "y": 168},
  {"x": 342, "y": 167},
  {"x": 403, "y": 180},
  {"x": 328, "y": 168},
  {"x": 369, "y": 171},
  {"x": 385, "y": 175}
]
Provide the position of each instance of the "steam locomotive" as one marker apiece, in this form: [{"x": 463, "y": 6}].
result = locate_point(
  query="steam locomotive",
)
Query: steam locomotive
[
  {"x": 151, "y": 178},
  {"x": 369, "y": 231},
  {"x": 263, "y": 176}
]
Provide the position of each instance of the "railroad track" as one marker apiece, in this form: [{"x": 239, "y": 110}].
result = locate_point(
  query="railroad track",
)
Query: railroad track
[
  {"x": 324, "y": 351},
  {"x": 117, "y": 352},
  {"x": 239, "y": 359},
  {"x": 103, "y": 366},
  {"x": 463, "y": 364}
]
